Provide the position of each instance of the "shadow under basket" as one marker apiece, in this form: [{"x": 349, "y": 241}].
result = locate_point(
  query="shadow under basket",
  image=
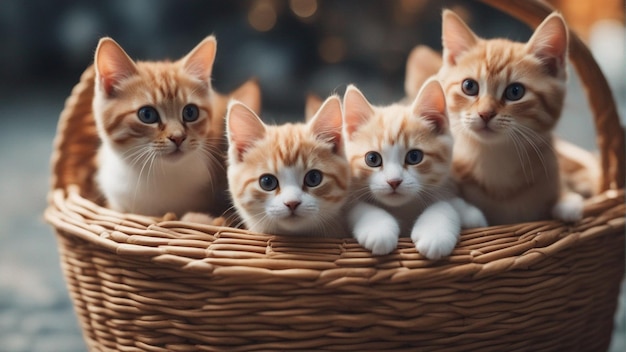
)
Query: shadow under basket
[{"x": 147, "y": 284}]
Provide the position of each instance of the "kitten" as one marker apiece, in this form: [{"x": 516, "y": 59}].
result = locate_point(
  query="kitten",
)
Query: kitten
[
  {"x": 504, "y": 99},
  {"x": 288, "y": 179},
  {"x": 579, "y": 169},
  {"x": 162, "y": 131},
  {"x": 400, "y": 158}
]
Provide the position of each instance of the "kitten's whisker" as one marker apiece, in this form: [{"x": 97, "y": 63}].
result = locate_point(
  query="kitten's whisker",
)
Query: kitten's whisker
[
  {"x": 528, "y": 137},
  {"x": 521, "y": 150}
]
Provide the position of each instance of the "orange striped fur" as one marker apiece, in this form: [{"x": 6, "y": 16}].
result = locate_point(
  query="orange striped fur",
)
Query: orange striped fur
[
  {"x": 171, "y": 164},
  {"x": 504, "y": 159},
  {"x": 288, "y": 152}
]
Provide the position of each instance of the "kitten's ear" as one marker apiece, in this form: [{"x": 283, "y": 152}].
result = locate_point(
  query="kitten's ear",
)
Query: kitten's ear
[
  {"x": 430, "y": 105},
  {"x": 549, "y": 43},
  {"x": 249, "y": 93},
  {"x": 423, "y": 62},
  {"x": 112, "y": 65},
  {"x": 327, "y": 123},
  {"x": 356, "y": 110},
  {"x": 199, "y": 61},
  {"x": 456, "y": 37},
  {"x": 244, "y": 128},
  {"x": 311, "y": 106}
]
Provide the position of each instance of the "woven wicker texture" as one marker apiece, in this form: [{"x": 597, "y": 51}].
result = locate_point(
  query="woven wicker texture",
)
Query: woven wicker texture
[{"x": 147, "y": 284}]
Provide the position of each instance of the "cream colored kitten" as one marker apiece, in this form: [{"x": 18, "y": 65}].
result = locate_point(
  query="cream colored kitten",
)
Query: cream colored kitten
[
  {"x": 400, "y": 158},
  {"x": 291, "y": 179},
  {"x": 504, "y": 99},
  {"x": 161, "y": 127}
]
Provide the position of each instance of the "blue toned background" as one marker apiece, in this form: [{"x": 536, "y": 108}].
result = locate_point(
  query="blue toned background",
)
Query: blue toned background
[{"x": 292, "y": 47}]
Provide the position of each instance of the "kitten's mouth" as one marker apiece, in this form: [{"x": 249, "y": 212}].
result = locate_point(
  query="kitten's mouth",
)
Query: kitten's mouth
[
  {"x": 173, "y": 156},
  {"x": 393, "y": 198},
  {"x": 484, "y": 131},
  {"x": 291, "y": 216}
]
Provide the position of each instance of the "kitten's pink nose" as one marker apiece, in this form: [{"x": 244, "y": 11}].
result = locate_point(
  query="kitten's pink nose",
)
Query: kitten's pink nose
[
  {"x": 293, "y": 204},
  {"x": 487, "y": 115},
  {"x": 394, "y": 183},
  {"x": 178, "y": 139}
]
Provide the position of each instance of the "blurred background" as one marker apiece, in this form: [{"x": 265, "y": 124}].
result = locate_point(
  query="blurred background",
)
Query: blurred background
[{"x": 292, "y": 46}]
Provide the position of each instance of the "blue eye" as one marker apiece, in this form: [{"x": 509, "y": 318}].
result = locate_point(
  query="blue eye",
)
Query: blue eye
[
  {"x": 373, "y": 159},
  {"x": 190, "y": 113},
  {"x": 414, "y": 156},
  {"x": 148, "y": 114},
  {"x": 514, "y": 91},
  {"x": 470, "y": 87},
  {"x": 268, "y": 182},
  {"x": 313, "y": 178}
]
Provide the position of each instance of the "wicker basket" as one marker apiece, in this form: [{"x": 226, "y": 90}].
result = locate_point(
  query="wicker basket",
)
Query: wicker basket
[{"x": 146, "y": 284}]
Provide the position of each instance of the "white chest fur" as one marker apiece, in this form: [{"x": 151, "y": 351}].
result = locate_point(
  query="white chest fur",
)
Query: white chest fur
[{"x": 154, "y": 188}]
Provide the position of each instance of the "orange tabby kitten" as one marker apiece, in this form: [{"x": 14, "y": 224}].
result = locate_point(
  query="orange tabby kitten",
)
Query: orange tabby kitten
[
  {"x": 504, "y": 99},
  {"x": 161, "y": 125},
  {"x": 288, "y": 179},
  {"x": 400, "y": 157}
]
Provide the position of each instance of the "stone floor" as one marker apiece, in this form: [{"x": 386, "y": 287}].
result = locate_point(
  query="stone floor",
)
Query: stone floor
[{"x": 35, "y": 311}]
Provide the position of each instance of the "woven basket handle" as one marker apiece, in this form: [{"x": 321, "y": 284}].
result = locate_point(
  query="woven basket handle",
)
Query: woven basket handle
[{"x": 609, "y": 132}]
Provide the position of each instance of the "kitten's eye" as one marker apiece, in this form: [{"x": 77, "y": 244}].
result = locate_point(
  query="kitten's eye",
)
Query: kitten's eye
[
  {"x": 190, "y": 113},
  {"x": 148, "y": 114},
  {"x": 313, "y": 178},
  {"x": 514, "y": 92},
  {"x": 373, "y": 159},
  {"x": 414, "y": 157},
  {"x": 268, "y": 182},
  {"x": 470, "y": 87}
]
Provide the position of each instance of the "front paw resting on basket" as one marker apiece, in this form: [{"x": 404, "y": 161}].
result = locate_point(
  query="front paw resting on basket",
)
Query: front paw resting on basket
[
  {"x": 437, "y": 230},
  {"x": 374, "y": 228},
  {"x": 569, "y": 208},
  {"x": 470, "y": 216}
]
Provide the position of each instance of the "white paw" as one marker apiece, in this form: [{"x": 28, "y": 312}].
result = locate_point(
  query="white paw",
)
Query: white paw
[
  {"x": 473, "y": 217},
  {"x": 437, "y": 231},
  {"x": 378, "y": 234},
  {"x": 569, "y": 208},
  {"x": 435, "y": 246}
]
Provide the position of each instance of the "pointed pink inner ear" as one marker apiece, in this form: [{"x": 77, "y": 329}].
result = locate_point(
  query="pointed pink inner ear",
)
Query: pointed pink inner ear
[
  {"x": 244, "y": 128},
  {"x": 199, "y": 62},
  {"x": 357, "y": 110},
  {"x": 112, "y": 65},
  {"x": 549, "y": 43},
  {"x": 326, "y": 124},
  {"x": 430, "y": 105},
  {"x": 457, "y": 37}
]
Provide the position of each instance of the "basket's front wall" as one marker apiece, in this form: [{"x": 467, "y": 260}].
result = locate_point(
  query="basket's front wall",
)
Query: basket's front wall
[{"x": 564, "y": 300}]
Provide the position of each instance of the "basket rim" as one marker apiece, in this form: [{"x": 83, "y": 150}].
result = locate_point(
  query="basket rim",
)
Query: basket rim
[{"x": 227, "y": 252}]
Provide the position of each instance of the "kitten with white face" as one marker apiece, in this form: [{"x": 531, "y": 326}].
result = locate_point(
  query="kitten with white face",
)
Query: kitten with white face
[
  {"x": 400, "y": 158},
  {"x": 161, "y": 128},
  {"x": 504, "y": 99},
  {"x": 290, "y": 179}
]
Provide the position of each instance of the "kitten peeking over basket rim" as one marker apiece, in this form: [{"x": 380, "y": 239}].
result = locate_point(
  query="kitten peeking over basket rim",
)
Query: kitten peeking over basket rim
[
  {"x": 504, "y": 100},
  {"x": 161, "y": 129},
  {"x": 289, "y": 179}
]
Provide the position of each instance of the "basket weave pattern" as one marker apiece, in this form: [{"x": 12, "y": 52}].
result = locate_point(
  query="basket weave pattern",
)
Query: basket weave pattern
[{"x": 148, "y": 284}]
